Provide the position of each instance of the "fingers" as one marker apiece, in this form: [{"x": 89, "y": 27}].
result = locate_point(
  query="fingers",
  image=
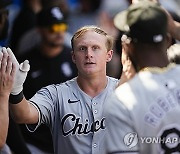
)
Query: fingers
[
  {"x": 4, "y": 60},
  {"x": 13, "y": 70},
  {"x": 24, "y": 66},
  {"x": 7, "y": 72},
  {"x": 9, "y": 65},
  {"x": 9, "y": 51}
]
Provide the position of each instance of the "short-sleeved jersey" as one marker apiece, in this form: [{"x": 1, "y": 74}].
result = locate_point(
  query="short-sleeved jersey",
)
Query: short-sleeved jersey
[
  {"x": 143, "y": 115},
  {"x": 75, "y": 119}
]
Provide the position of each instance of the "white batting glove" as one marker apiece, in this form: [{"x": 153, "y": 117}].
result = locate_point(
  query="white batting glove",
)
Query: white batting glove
[{"x": 21, "y": 73}]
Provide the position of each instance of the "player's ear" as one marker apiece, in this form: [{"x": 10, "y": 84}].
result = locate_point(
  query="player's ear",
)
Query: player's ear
[
  {"x": 109, "y": 55},
  {"x": 127, "y": 47},
  {"x": 73, "y": 57}
]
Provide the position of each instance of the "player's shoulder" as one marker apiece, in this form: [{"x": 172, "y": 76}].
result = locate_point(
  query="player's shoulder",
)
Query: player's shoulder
[
  {"x": 67, "y": 84},
  {"x": 123, "y": 88},
  {"x": 59, "y": 90},
  {"x": 127, "y": 92},
  {"x": 118, "y": 92},
  {"x": 177, "y": 67},
  {"x": 113, "y": 81},
  {"x": 64, "y": 86}
]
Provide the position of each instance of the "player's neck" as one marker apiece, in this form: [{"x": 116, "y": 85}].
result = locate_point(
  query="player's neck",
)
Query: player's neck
[
  {"x": 92, "y": 87},
  {"x": 154, "y": 61}
]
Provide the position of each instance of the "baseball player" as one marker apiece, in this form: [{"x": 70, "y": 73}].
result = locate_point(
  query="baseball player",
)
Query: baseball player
[
  {"x": 142, "y": 115},
  {"x": 73, "y": 109}
]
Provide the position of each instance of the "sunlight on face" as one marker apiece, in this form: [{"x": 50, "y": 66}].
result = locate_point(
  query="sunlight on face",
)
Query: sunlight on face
[{"x": 90, "y": 53}]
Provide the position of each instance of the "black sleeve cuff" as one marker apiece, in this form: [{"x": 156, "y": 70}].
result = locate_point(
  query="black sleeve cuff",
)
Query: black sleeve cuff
[{"x": 15, "y": 99}]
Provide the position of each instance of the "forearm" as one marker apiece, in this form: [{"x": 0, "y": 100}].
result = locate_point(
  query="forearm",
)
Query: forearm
[
  {"x": 4, "y": 119},
  {"x": 24, "y": 112}
]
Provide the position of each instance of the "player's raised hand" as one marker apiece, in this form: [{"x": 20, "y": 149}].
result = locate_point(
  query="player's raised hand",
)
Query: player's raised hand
[
  {"x": 7, "y": 73},
  {"x": 21, "y": 73}
]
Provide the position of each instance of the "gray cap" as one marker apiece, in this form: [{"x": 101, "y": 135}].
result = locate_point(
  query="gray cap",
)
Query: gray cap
[{"x": 144, "y": 21}]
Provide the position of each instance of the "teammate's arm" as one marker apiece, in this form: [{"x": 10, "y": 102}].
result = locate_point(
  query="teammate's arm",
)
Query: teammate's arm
[
  {"x": 4, "y": 118},
  {"x": 7, "y": 73}
]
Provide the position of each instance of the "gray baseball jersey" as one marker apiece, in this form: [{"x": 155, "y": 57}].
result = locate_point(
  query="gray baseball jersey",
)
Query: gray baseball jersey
[
  {"x": 75, "y": 119},
  {"x": 143, "y": 115}
]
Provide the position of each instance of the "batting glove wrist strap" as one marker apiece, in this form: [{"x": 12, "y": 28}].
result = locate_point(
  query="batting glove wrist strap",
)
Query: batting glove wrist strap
[{"x": 15, "y": 99}]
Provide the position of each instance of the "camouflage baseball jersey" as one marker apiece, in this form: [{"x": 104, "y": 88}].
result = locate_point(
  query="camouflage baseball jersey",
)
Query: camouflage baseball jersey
[{"x": 143, "y": 115}]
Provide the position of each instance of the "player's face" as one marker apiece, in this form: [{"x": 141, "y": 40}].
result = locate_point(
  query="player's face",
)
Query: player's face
[
  {"x": 90, "y": 53},
  {"x": 52, "y": 38}
]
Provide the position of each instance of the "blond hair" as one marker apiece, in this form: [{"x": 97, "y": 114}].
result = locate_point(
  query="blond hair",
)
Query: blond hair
[{"x": 80, "y": 32}]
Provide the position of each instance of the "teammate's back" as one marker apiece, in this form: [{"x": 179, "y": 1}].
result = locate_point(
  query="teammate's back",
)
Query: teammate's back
[
  {"x": 142, "y": 116},
  {"x": 153, "y": 106}
]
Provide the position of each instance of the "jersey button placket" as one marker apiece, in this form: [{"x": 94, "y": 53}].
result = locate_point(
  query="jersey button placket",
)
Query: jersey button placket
[
  {"x": 94, "y": 103},
  {"x": 94, "y": 145},
  {"x": 95, "y": 111},
  {"x": 94, "y": 107},
  {"x": 95, "y": 148}
]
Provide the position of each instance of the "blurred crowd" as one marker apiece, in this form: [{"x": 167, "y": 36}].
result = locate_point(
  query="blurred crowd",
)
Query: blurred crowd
[{"x": 23, "y": 21}]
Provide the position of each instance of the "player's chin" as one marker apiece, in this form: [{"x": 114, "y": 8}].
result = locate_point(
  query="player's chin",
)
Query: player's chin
[{"x": 90, "y": 71}]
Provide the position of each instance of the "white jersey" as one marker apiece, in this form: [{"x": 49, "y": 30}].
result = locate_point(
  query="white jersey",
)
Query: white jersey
[
  {"x": 143, "y": 115},
  {"x": 75, "y": 119}
]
